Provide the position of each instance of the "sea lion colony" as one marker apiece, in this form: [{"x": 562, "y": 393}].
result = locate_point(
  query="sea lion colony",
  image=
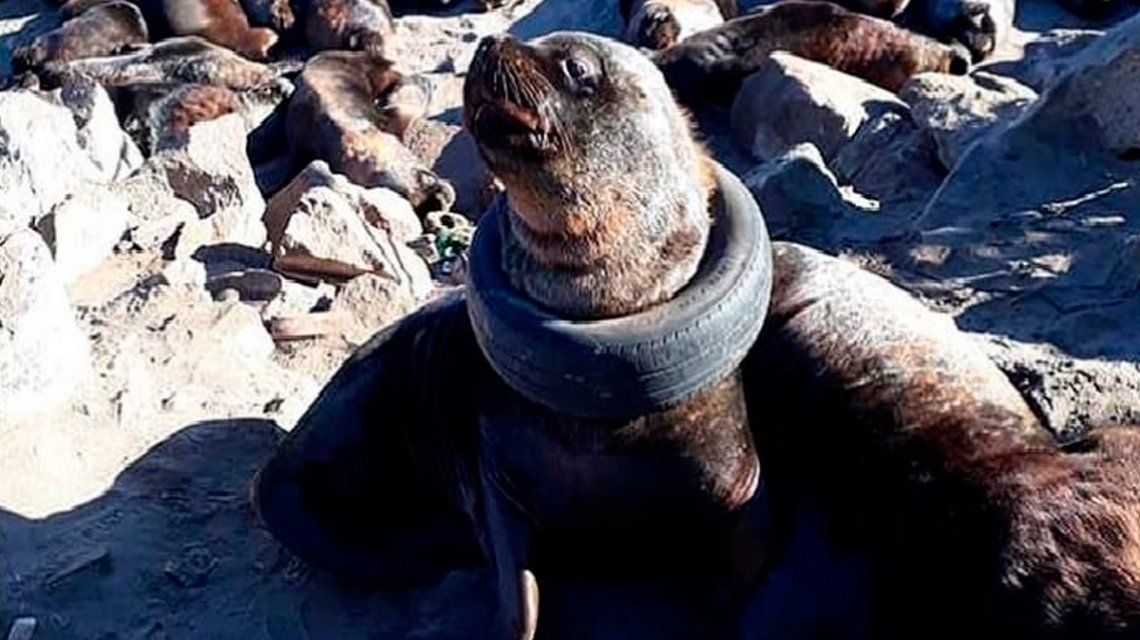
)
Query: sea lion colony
[{"x": 932, "y": 491}]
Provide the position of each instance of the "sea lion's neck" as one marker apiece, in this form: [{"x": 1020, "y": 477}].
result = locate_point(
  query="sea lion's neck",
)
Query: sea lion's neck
[{"x": 617, "y": 259}]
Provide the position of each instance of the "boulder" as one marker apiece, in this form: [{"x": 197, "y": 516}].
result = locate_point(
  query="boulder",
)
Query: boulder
[
  {"x": 157, "y": 215},
  {"x": 41, "y": 159},
  {"x": 959, "y": 110},
  {"x": 323, "y": 227},
  {"x": 44, "y": 356},
  {"x": 790, "y": 100},
  {"x": 451, "y": 153},
  {"x": 802, "y": 200},
  {"x": 209, "y": 169},
  {"x": 1045, "y": 58},
  {"x": 1071, "y": 395}
]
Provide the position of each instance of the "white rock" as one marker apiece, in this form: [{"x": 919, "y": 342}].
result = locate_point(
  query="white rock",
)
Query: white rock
[
  {"x": 44, "y": 356},
  {"x": 1045, "y": 58},
  {"x": 185, "y": 272},
  {"x": 41, "y": 161},
  {"x": 1041, "y": 214},
  {"x": 790, "y": 100},
  {"x": 157, "y": 214},
  {"x": 111, "y": 150},
  {"x": 957, "y": 111},
  {"x": 892, "y": 160},
  {"x": 210, "y": 170},
  {"x": 370, "y": 302},
  {"x": 451, "y": 153},
  {"x": 84, "y": 228},
  {"x": 320, "y": 225}
]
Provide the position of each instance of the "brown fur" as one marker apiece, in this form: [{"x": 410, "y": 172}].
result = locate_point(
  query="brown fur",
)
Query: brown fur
[
  {"x": 192, "y": 104},
  {"x": 923, "y": 459},
  {"x": 337, "y": 114},
  {"x": 356, "y": 25},
  {"x": 105, "y": 30},
  {"x": 711, "y": 65}
]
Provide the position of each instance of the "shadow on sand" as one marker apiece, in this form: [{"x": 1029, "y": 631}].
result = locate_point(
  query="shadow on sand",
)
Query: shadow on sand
[{"x": 173, "y": 550}]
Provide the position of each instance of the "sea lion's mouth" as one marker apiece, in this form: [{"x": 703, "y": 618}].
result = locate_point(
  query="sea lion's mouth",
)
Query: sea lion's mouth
[{"x": 505, "y": 97}]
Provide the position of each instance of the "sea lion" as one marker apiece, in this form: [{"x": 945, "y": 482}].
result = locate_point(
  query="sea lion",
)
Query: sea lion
[
  {"x": 656, "y": 24},
  {"x": 220, "y": 21},
  {"x": 710, "y": 65},
  {"x": 356, "y": 25},
  {"x": 105, "y": 30},
  {"x": 649, "y": 487},
  {"x": 170, "y": 62},
  {"x": 419, "y": 453},
  {"x": 343, "y": 112},
  {"x": 977, "y": 25}
]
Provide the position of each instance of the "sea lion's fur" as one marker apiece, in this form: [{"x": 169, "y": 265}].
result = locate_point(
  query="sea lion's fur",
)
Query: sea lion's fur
[
  {"x": 339, "y": 113},
  {"x": 711, "y": 65},
  {"x": 915, "y": 453},
  {"x": 222, "y": 22},
  {"x": 105, "y": 30},
  {"x": 656, "y": 24}
]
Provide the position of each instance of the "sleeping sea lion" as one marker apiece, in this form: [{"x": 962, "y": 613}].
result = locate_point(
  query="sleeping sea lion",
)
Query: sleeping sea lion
[
  {"x": 222, "y": 22},
  {"x": 104, "y": 30},
  {"x": 710, "y": 65},
  {"x": 350, "y": 109}
]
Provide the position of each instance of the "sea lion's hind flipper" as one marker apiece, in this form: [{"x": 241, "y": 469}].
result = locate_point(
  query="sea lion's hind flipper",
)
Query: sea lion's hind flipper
[{"x": 366, "y": 484}]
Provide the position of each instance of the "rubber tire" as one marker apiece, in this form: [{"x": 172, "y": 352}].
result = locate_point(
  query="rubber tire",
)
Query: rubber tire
[{"x": 633, "y": 365}]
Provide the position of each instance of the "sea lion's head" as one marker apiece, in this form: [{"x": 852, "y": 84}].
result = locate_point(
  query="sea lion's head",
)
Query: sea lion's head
[{"x": 607, "y": 191}]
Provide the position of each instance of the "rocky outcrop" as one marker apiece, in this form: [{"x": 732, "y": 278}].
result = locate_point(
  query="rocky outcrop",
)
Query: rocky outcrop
[{"x": 790, "y": 100}]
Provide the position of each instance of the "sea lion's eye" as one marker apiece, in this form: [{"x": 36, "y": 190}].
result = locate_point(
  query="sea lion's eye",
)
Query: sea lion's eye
[{"x": 580, "y": 72}]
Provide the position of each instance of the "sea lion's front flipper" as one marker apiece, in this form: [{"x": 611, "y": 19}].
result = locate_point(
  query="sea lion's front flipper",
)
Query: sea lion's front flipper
[{"x": 368, "y": 483}]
